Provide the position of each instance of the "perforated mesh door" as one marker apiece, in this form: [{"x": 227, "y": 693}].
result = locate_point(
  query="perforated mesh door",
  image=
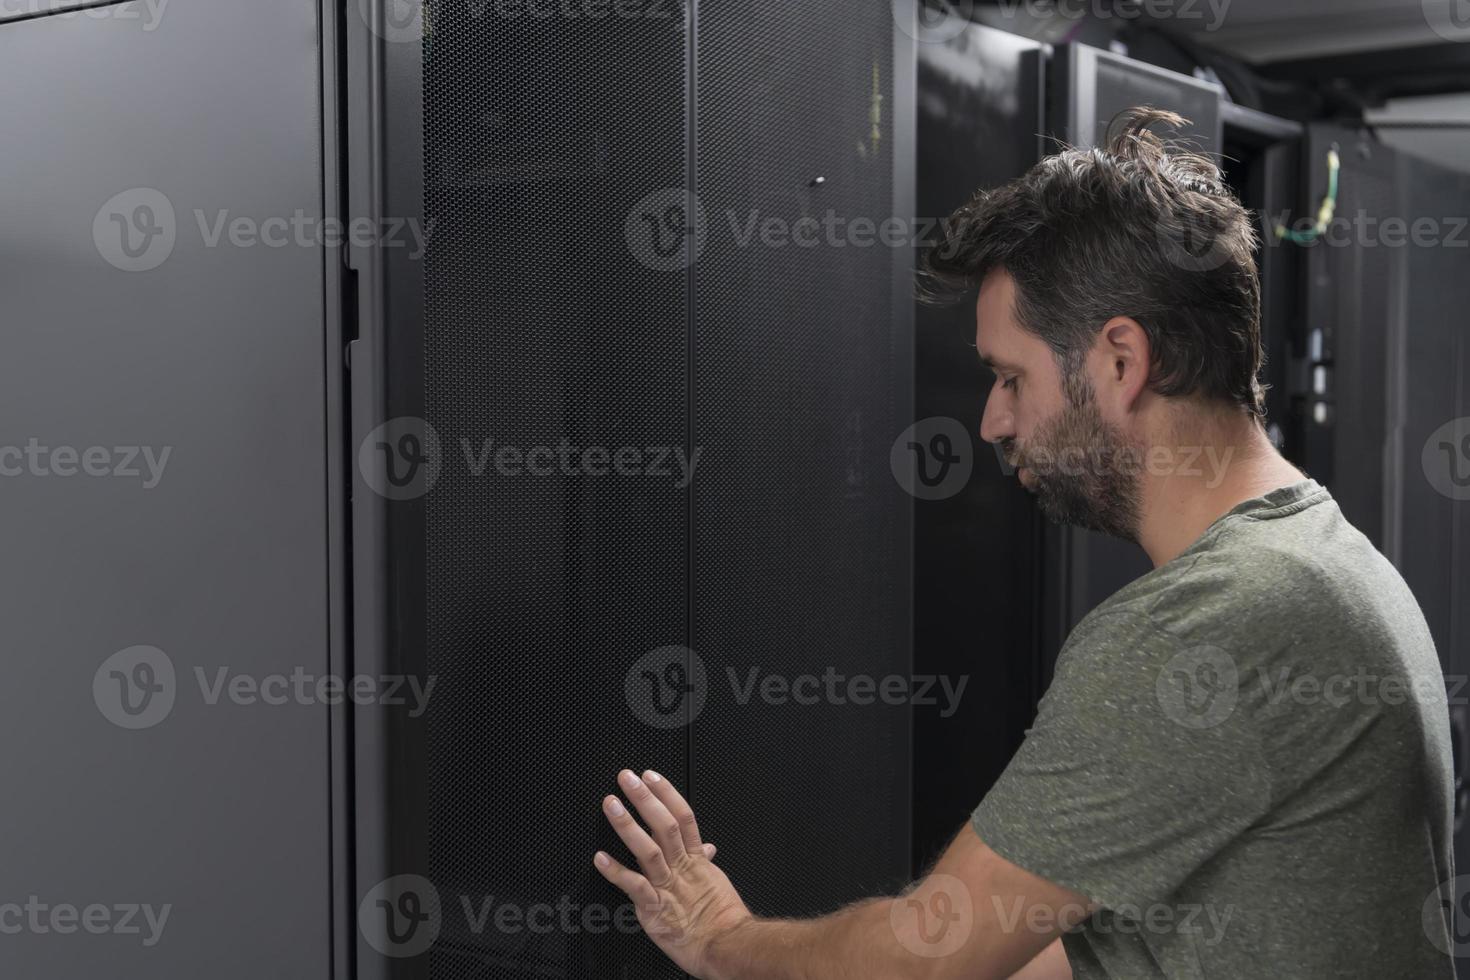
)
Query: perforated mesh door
[
  {"x": 548, "y": 143},
  {"x": 801, "y": 534},
  {"x": 541, "y": 133}
]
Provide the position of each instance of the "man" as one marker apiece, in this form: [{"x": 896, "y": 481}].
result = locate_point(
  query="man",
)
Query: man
[{"x": 1242, "y": 767}]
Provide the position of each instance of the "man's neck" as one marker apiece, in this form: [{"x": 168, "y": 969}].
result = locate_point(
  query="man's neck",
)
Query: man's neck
[{"x": 1233, "y": 462}]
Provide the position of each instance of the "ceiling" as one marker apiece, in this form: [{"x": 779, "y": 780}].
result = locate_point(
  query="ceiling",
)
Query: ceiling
[{"x": 1262, "y": 31}]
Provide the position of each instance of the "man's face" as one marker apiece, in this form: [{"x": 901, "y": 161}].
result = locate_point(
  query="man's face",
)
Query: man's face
[{"x": 1066, "y": 451}]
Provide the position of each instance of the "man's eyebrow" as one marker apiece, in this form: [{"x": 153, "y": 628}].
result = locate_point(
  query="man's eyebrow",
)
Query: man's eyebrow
[{"x": 994, "y": 363}]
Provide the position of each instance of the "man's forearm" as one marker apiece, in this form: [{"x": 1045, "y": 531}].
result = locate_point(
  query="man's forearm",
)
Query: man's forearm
[
  {"x": 945, "y": 926},
  {"x": 857, "y": 941}
]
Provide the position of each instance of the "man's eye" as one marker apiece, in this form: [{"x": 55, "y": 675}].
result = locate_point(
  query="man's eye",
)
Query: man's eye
[{"x": 1009, "y": 383}]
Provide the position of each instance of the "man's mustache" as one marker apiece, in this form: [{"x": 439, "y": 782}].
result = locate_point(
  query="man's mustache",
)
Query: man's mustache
[{"x": 1009, "y": 451}]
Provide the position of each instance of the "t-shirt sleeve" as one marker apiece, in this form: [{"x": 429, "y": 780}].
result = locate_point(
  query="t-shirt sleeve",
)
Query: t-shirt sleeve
[{"x": 1137, "y": 770}]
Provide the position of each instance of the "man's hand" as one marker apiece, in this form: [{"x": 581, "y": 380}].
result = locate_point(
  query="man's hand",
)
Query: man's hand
[
  {"x": 683, "y": 901},
  {"x": 976, "y": 916}
]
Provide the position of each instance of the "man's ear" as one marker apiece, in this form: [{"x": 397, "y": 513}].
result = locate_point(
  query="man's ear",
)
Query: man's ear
[{"x": 1123, "y": 345}]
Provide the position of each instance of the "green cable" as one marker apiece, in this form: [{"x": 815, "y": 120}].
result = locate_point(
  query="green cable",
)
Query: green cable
[{"x": 1324, "y": 213}]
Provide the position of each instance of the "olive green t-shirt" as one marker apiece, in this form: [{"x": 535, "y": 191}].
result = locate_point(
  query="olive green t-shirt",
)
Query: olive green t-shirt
[{"x": 1244, "y": 759}]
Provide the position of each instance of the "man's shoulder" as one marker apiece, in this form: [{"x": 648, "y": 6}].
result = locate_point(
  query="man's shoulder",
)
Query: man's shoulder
[
  {"x": 1212, "y": 593},
  {"x": 1255, "y": 589},
  {"x": 1277, "y": 623}
]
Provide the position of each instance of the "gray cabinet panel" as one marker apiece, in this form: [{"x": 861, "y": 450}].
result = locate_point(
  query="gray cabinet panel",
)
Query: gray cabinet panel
[{"x": 162, "y": 446}]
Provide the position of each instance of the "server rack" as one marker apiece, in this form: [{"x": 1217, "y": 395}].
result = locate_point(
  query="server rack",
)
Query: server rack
[{"x": 543, "y": 153}]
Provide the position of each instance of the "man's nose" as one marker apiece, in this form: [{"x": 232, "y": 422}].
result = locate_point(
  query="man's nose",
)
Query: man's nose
[{"x": 997, "y": 423}]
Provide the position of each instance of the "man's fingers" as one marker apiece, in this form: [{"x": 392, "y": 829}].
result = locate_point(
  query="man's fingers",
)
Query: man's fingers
[
  {"x": 709, "y": 851},
  {"x": 661, "y": 823},
  {"x": 633, "y": 884},
  {"x": 650, "y": 856},
  {"x": 674, "y": 803}
]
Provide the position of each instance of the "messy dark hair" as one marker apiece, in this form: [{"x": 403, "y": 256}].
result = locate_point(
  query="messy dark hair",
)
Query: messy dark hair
[{"x": 1139, "y": 227}]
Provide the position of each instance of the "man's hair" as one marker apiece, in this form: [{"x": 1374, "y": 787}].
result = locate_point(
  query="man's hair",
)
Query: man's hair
[{"x": 1139, "y": 228}]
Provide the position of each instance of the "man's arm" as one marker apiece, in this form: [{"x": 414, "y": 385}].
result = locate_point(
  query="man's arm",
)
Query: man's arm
[
  {"x": 975, "y": 915},
  {"x": 1049, "y": 964}
]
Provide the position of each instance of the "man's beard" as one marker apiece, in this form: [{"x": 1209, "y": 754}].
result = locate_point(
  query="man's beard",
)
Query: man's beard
[{"x": 1084, "y": 469}]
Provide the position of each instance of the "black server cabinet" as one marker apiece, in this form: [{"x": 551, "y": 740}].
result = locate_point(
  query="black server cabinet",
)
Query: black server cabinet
[
  {"x": 651, "y": 234},
  {"x": 976, "y": 541},
  {"x": 1261, "y": 158},
  {"x": 1092, "y": 86},
  {"x": 1385, "y": 398}
]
